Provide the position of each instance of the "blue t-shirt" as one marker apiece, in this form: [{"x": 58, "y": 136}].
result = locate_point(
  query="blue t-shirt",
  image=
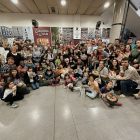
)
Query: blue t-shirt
[
  {"x": 26, "y": 64},
  {"x": 95, "y": 47}
]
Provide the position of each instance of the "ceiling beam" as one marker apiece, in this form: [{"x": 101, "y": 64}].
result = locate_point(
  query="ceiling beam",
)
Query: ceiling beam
[
  {"x": 58, "y": 6},
  {"x": 78, "y": 6},
  {"x": 6, "y": 7},
  {"x": 36, "y": 6},
  {"x": 98, "y": 7},
  {"x": 25, "y": 6},
  {"x": 47, "y": 6},
  {"x": 88, "y": 7},
  {"x": 68, "y": 7}
]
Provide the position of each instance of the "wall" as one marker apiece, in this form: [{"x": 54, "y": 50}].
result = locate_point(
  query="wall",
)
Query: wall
[{"x": 17, "y": 19}]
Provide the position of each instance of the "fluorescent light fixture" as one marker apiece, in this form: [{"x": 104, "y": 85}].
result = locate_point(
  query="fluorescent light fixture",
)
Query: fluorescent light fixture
[
  {"x": 15, "y": 1},
  {"x": 106, "y": 5},
  {"x": 63, "y": 2}
]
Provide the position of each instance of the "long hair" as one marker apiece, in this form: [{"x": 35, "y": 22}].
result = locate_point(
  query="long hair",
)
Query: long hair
[
  {"x": 11, "y": 75},
  {"x": 125, "y": 48},
  {"x": 117, "y": 66}
]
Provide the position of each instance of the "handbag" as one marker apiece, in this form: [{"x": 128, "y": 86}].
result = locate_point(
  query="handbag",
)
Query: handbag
[{"x": 111, "y": 98}]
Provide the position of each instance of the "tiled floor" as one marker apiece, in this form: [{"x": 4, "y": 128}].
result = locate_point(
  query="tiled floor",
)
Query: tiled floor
[{"x": 59, "y": 114}]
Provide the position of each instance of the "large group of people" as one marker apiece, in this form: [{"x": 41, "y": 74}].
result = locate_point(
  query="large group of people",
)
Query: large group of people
[{"x": 100, "y": 67}]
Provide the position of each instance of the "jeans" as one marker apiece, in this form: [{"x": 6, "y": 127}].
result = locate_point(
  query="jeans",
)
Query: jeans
[
  {"x": 49, "y": 77},
  {"x": 34, "y": 85},
  {"x": 1, "y": 91},
  {"x": 92, "y": 95},
  {"x": 129, "y": 86}
]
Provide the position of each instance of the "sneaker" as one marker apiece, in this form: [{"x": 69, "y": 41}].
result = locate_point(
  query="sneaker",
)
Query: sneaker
[
  {"x": 122, "y": 96},
  {"x": 13, "y": 106},
  {"x": 65, "y": 87},
  {"x": 107, "y": 104},
  {"x": 137, "y": 96}
]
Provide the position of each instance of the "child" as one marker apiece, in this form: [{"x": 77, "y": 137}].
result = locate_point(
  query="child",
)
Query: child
[
  {"x": 57, "y": 61},
  {"x": 78, "y": 72},
  {"x": 85, "y": 76},
  {"x": 29, "y": 63},
  {"x": 108, "y": 89},
  {"x": 71, "y": 62},
  {"x": 94, "y": 87},
  {"x": 56, "y": 80},
  {"x": 32, "y": 79},
  {"x": 70, "y": 82},
  {"x": 11, "y": 95},
  {"x": 37, "y": 65},
  {"x": 49, "y": 73},
  {"x": 40, "y": 72}
]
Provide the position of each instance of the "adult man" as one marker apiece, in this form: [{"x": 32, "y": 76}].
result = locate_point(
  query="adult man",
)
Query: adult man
[
  {"x": 81, "y": 64},
  {"x": 130, "y": 41},
  {"x": 6, "y": 67},
  {"x": 91, "y": 48},
  {"x": 129, "y": 80},
  {"x": 135, "y": 56},
  {"x": 119, "y": 54},
  {"x": 117, "y": 42}
]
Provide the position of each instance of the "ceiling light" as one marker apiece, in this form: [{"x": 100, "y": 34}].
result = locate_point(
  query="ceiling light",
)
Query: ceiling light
[
  {"x": 15, "y": 1},
  {"x": 106, "y": 5},
  {"x": 63, "y": 2}
]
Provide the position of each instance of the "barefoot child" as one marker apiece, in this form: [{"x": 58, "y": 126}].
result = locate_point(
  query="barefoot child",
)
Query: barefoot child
[{"x": 94, "y": 87}]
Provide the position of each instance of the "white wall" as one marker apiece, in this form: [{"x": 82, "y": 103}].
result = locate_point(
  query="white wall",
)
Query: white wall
[{"x": 47, "y": 20}]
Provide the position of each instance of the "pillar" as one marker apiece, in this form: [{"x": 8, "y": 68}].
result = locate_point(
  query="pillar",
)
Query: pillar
[{"x": 119, "y": 19}]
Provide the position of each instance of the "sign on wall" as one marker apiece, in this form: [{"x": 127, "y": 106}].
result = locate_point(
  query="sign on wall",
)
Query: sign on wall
[
  {"x": 42, "y": 35},
  {"x": 84, "y": 34},
  {"x": 28, "y": 33},
  {"x": 77, "y": 33},
  {"x": 6, "y": 32},
  {"x": 17, "y": 32}
]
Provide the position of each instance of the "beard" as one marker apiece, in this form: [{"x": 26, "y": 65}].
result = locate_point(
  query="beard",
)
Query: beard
[{"x": 138, "y": 47}]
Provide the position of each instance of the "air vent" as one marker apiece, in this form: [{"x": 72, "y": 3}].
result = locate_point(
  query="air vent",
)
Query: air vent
[{"x": 53, "y": 9}]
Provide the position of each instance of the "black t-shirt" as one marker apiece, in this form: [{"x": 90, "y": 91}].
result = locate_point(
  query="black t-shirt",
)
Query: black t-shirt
[{"x": 48, "y": 72}]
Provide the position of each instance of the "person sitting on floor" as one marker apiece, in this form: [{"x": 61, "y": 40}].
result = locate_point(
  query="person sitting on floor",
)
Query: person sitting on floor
[{"x": 108, "y": 89}]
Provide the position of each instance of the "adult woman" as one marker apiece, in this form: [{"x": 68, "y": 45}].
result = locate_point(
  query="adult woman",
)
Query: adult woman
[
  {"x": 15, "y": 55},
  {"x": 114, "y": 70},
  {"x": 71, "y": 52},
  {"x": 25, "y": 53},
  {"x": 55, "y": 51},
  {"x": 65, "y": 52},
  {"x": 127, "y": 50},
  {"x": 84, "y": 56},
  {"x": 95, "y": 59},
  {"x": 103, "y": 73},
  {"x": 15, "y": 77},
  {"x": 51, "y": 64},
  {"x": 5, "y": 69},
  {"x": 114, "y": 48},
  {"x": 62, "y": 61},
  {"x": 122, "y": 47},
  {"x": 36, "y": 54},
  {"x": 110, "y": 48}
]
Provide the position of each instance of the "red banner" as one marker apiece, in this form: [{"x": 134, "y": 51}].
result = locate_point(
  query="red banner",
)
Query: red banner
[{"x": 42, "y": 35}]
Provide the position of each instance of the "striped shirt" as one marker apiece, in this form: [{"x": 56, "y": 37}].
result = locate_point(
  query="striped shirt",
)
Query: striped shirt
[{"x": 132, "y": 74}]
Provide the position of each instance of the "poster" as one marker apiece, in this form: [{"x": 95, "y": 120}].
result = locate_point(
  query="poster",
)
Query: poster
[
  {"x": 6, "y": 32},
  {"x": 42, "y": 35},
  {"x": 27, "y": 33},
  {"x": 91, "y": 33},
  {"x": 17, "y": 32},
  {"x": 67, "y": 35},
  {"x": 106, "y": 33},
  {"x": 77, "y": 33},
  {"x": 84, "y": 34},
  {"x": 98, "y": 32}
]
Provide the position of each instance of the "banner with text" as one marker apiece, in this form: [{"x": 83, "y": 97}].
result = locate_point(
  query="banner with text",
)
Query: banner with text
[{"x": 42, "y": 35}]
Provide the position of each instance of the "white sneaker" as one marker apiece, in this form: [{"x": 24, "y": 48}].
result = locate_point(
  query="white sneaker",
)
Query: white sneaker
[{"x": 137, "y": 96}]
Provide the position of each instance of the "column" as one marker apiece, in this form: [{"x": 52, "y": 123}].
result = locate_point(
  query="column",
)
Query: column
[{"x": 119, "y": 19}]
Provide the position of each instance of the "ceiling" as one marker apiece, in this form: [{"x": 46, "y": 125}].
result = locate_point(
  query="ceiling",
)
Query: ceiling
[
  {"x": 136, "y": 3},
  {"x": 82, "y": 7}
]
